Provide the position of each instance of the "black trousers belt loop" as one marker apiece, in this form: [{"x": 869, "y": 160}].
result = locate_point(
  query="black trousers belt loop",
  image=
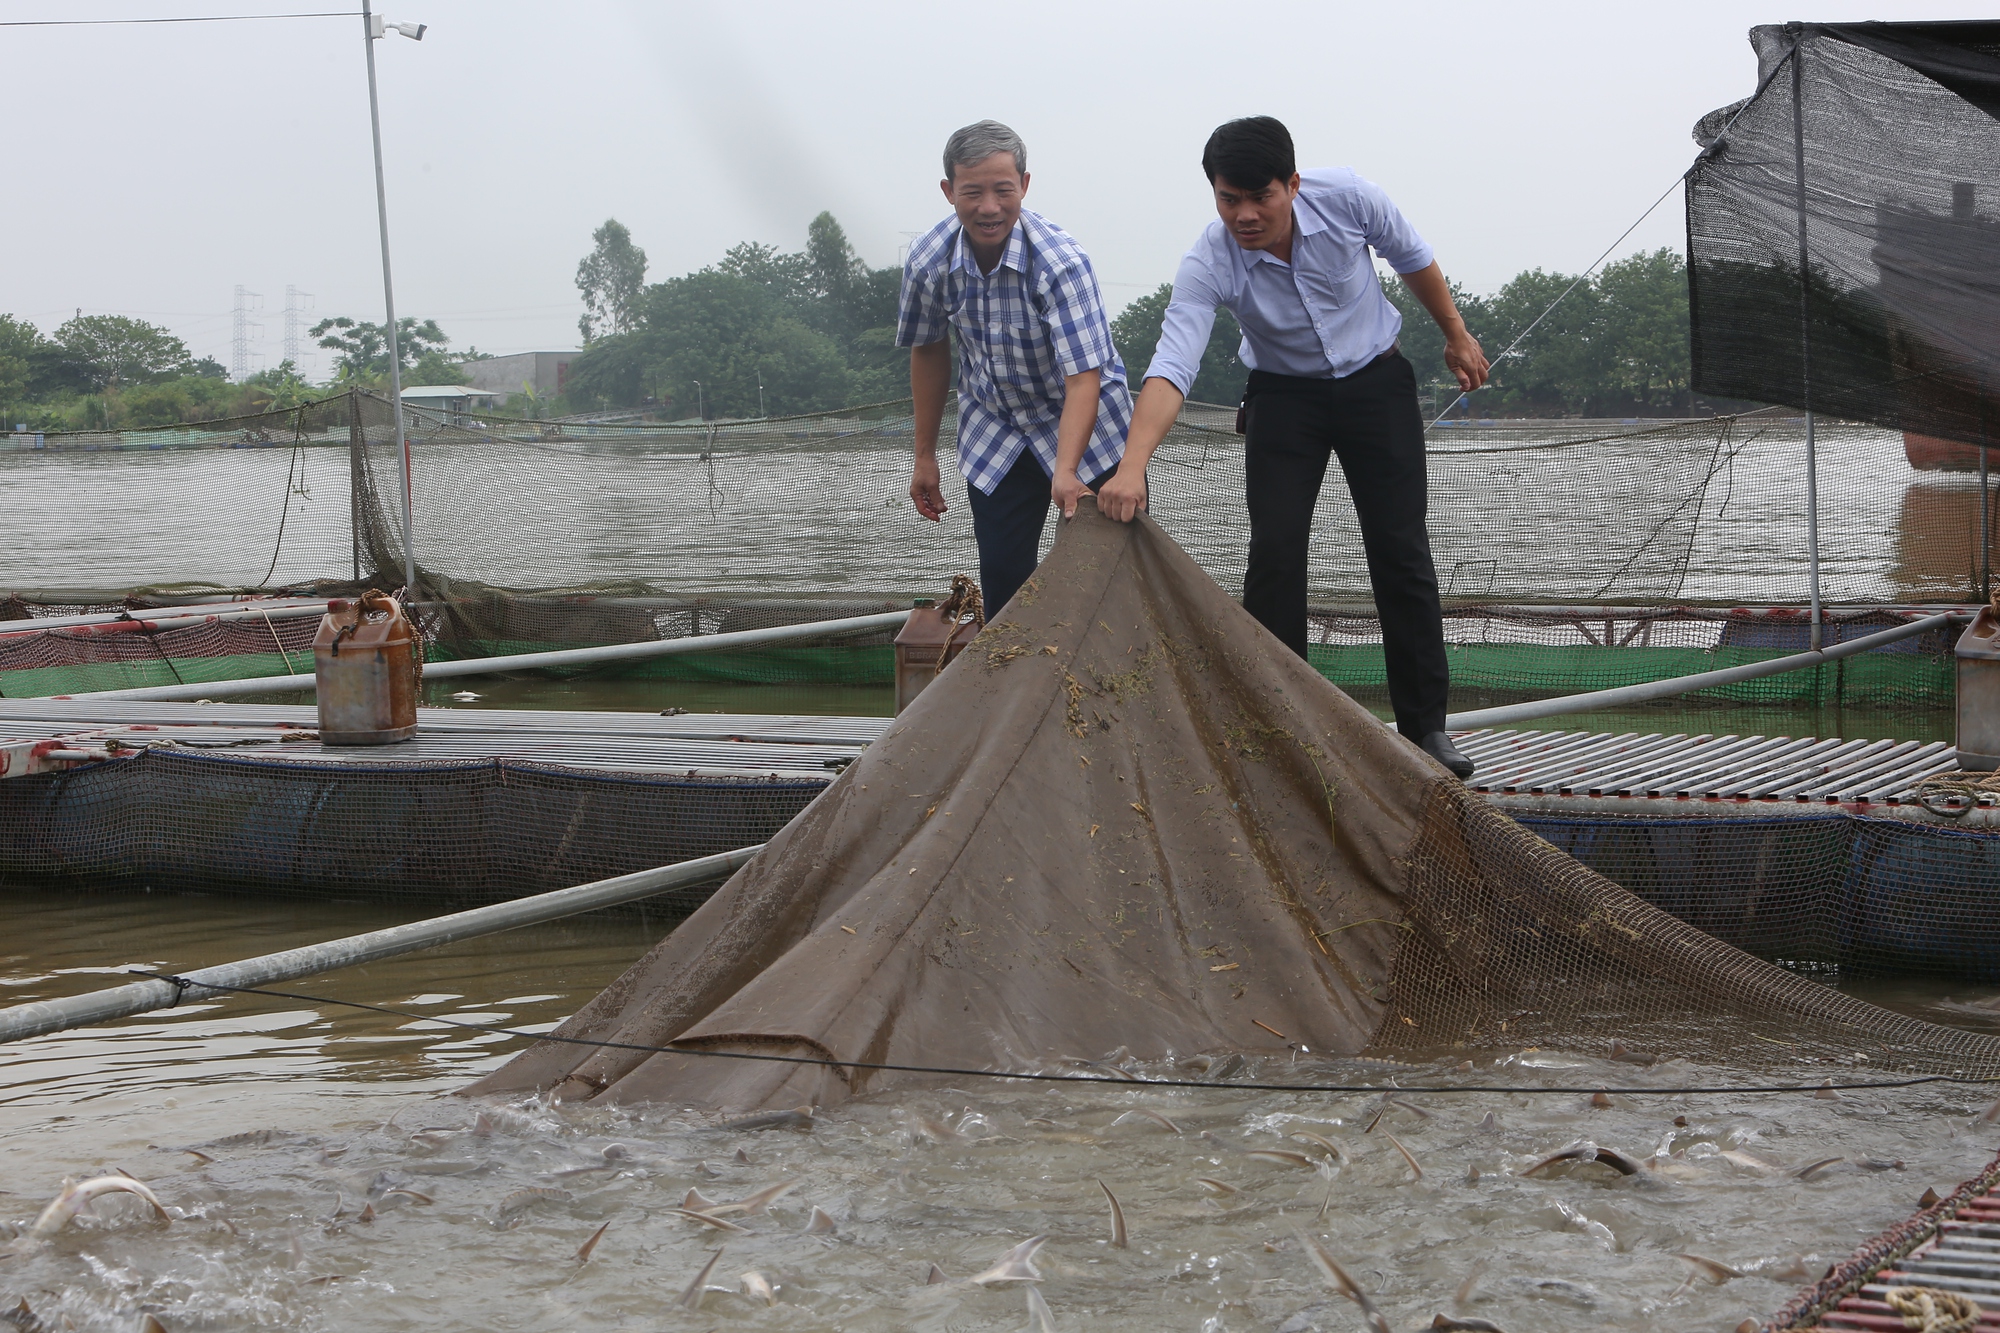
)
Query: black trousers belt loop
[{"x": 1371, "y": 422}]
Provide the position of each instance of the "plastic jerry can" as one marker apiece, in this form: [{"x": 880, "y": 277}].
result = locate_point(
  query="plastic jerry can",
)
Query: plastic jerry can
[
  {"x": 927, "y": 643},
  {"x": 1979, "y": 693},
  {"x": 367, "y": 660}
]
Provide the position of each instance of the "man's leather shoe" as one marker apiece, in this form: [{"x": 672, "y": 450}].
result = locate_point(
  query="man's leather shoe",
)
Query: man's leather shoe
[{"x": 1439, "y": 747}]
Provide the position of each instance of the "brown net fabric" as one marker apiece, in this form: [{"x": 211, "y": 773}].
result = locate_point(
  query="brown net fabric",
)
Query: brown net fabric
[{"x": 1128, "y": 817}]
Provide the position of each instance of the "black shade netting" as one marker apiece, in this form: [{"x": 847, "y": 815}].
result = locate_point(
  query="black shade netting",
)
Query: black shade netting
[{"x": 1844, "y": 228}]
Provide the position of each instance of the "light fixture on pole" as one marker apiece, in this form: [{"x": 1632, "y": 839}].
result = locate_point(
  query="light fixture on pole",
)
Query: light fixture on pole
[{"x": 372, "y": 27}]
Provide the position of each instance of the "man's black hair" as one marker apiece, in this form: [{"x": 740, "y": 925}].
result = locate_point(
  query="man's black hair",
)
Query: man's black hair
[{"x": 1250, "y": 153}]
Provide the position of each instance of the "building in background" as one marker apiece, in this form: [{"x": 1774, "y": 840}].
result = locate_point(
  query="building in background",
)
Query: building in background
[
  {"x": 452, "y": 402},
  {"x": 546, "y": 372}
]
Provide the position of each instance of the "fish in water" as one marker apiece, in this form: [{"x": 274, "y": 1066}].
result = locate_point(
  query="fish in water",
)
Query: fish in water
[
  {"x": 755, "y": 1203},
  {"x": 1879, "y": 1163},
  {"x": 1470, "y": 1325},
  {"x": 1416, "y": 1172},
  {"x": 696, "y": 1201},
  {"x": 1153, "y": 1116},
  {"x": 1339, "y": 1154},
  {"x": 23, "y": 1319},
  {"x": 691, "y": 1298},
  {"x": 742, "y": 1158},
  {"x": 1601, "y": 1101},
  {"x": 532, "y": 1194},
  {"x": 1117, "y": 1217},
  {"x": 1624, "y": 1054},
  {"x": 151, "y": 1324},
  {"x": 820, "y": 1223},
  {"x": 467, "y": 697},
  {"x": 935, "y": 1277},
  {"x": 583, "y": 1250},
  {"x": 757, "y": 1287},
  {"x": 707, "y": 1219},
  {"x": 1929, "y": 1199},
  {"x": 1555, "y": 1288},
  {"x": 76, "y": 1197},
  {"x": 1716, "y": 1273},
  {"x": 1282, "y": 1157},
  {"x": 799, "y": 1118},
  {"x": 1737, "y": 1157},
  {"x": 1038, "y": 1310},
  {"x": 1586, "y": 1151},
  {"x": 1489, "y": 1124},
  {"x": 1464, "y": 1292},
  {"x": 1017, "y": 1265},
  {"x": 1338, "y": 1279},
  {"x": 1826, "y": 1092},
  {"x": 1817, "y": 1169},
  {"x": 1214, "y": 1186}
]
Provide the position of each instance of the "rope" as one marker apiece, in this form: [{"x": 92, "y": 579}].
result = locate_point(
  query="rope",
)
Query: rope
[
  {"x": 964, "y": 607},
  {"x": 1121, "y": 1079},
  {"x": 1929, "y": 1310}
]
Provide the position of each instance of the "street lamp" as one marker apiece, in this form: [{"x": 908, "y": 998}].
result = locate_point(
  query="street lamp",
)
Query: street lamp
[{"x": 372, "y": 27}]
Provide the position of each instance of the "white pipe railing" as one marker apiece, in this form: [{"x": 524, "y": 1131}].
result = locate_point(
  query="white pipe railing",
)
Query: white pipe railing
[
  {"x": 1509, "y": 714},
  {"x": 44, "y": 1016},
  {"x": 561, "y": 657}
]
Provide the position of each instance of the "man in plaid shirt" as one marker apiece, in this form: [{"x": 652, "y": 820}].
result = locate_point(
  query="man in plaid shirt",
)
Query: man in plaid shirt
[{"x": 1042, "y": 403}]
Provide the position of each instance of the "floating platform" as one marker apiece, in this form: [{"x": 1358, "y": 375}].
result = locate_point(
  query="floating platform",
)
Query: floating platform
[
  {"x": 1951, "y": 1246},
  {"x": 1804, "y": 850}
]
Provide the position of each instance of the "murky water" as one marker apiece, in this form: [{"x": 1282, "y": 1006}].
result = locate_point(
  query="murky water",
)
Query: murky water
[{"x": 306, "y": 1114}]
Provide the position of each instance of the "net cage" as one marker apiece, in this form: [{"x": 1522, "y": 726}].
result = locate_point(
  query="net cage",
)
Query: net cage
[{"x": 1572, "y": 555}]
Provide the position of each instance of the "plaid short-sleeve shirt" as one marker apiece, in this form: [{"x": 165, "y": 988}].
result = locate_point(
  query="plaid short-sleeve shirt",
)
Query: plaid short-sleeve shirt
[{"x": 1036, "y": 318}]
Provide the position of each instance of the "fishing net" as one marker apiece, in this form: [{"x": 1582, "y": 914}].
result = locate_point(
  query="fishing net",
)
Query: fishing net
[
  {"x": 1127, "y": 818},
  {"x": 1572, "y": 555},
  {"x": 1844, "y": 231}
]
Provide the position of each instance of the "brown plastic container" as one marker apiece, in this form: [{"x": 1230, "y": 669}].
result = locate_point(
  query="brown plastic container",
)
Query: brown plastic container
[
  {"x": 925, "y": 645},
  {"x": 366, "y": 660},
  {"x": 1979, "y": 694}
]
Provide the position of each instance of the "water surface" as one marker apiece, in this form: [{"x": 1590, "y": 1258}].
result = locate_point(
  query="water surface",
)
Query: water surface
[{"x": 310, "y": 1112}]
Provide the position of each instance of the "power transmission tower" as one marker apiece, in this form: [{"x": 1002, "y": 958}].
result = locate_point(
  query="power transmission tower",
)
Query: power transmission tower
[
  {"x": 298, "y": 305},
  {"x": 244, "y": 331}
]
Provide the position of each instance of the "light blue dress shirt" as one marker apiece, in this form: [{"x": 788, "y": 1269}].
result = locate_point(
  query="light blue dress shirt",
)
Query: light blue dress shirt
[{"x": 1321, "y": 316}]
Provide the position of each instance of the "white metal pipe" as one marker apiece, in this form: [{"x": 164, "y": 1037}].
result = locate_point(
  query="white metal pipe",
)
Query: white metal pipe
[
  {"x": 43, "y": 1016},
  {"x": 389, "y": 304},
  {"x": 151, "y": 624},
  {"x": 1510, "y": 714},
  {"x": 1812, "y": 534},
  {"x": 562, "y": 657}
]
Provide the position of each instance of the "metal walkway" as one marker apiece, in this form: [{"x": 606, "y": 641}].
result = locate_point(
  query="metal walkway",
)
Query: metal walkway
[
  {"x": 1592, "y": 768},
  {"x": 53, "y": 733}
]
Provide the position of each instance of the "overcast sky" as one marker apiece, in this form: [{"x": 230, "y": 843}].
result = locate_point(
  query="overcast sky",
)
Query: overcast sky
[{"x": 151, "y": 169}]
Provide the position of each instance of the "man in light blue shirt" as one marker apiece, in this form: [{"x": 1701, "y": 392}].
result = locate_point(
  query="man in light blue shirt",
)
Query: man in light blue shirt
[{"x": 1289, "y": 257}]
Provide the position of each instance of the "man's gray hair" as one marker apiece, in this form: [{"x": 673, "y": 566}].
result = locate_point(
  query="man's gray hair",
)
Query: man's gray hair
[{"x": 979, "y": 141}]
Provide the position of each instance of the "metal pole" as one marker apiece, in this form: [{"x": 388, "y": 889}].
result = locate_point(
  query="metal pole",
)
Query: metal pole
[
  {"x": 43, "y": 1016},
  {"x": 480, "y": 666},
  {"x": 1805, "y": 337},
  {"x": 1509, "y": 714},
  {"x": 389, "y": 303},
  {"x": 1985, "y": 527}
]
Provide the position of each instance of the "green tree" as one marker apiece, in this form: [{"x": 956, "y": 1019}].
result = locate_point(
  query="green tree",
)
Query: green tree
[
  {"x": 278, "y": 387},
  {"x": 364, "y": 348},
  {"x": 732, "y": 336},
  {"x": 1645, "y": 312},
  {"x": 1136, "y": 333},
  {"x": 30, "y": 364},
  {"x": 612, "y": 278},
  {"x": 109, "y": 350}
]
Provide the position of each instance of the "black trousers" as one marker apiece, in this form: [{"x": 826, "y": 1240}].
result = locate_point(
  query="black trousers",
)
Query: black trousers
[
  {"x": 1008, "y": 524},
  {"x": 1370, "y": 420}
]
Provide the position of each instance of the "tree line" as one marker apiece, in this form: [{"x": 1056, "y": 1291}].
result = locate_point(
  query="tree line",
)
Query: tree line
[
  {"x": 112, "y": 372},
  {"x": 767, "y": 332}
]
